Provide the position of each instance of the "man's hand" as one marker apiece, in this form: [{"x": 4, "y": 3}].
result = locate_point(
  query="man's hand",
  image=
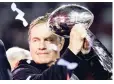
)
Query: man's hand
[{"x": 77, "y": 35}]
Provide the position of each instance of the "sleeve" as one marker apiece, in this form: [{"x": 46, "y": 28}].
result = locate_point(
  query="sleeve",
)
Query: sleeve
[
  {"x": 55, "y": 72},
  {"x": 95, "y": 67},
  {"x": 29, "y": 73}
]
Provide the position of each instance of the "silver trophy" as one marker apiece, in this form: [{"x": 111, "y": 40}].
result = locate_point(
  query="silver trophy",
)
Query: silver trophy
[{"x": 65, "y": 17}]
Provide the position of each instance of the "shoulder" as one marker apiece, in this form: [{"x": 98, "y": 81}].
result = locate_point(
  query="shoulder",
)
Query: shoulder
[
  {"x": 24, "y": 65},
  {"x": 23, "y": 70}
]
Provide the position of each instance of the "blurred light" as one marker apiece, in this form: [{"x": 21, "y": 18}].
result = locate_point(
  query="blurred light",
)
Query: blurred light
[
  {"x": 20, "y": 14},
  {"x": 106, "y": 41},
  {"x": 107, "y": 16}
]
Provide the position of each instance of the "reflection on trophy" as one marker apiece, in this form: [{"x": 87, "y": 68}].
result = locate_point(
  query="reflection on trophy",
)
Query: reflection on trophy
[{"x": 65, "y": 17}]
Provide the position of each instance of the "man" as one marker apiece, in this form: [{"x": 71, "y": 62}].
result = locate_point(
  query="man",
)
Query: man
[{"x": 47, "y": 64}]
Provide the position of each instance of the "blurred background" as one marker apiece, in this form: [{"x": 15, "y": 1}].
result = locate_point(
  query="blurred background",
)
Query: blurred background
[{"x": 13, "y": 33}]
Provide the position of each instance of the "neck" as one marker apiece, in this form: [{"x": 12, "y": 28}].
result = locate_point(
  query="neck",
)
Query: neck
[{"x": 51, "y": 63}]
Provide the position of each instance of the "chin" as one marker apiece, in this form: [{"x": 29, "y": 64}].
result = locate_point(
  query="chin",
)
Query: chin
[
  {"x": 42, "y": 61},
  {"x": 45, "y": 61}
]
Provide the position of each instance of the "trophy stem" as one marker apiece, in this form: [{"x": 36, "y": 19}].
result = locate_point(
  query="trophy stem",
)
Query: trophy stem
[{"x": 105, "y": 58}]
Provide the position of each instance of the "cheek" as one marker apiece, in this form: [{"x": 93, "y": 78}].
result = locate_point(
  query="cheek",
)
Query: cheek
[
  {"x": 54, "y": 54},
  {"x": 33, "y": 53},
  {"x": 32, "y": 48},
  {"x": 52, "y": 47}
]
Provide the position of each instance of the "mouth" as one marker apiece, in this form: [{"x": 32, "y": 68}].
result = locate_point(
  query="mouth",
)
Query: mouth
[{"x": 42, "y": 53}]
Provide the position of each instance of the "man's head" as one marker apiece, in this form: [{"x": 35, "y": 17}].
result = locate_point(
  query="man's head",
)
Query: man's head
[{"x": 45, "y": 46}]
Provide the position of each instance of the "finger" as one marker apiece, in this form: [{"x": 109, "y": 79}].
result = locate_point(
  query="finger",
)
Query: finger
[
  {"x": 86, "y": 44},
  {"x": 80, "y": 30}
]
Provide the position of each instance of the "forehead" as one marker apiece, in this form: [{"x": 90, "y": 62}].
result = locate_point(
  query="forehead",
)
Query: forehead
[{"x": 42, "y": 31}]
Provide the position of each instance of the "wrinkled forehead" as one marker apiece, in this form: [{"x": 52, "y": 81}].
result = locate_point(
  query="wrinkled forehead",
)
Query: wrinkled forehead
[{"x": 42, "y": 31}]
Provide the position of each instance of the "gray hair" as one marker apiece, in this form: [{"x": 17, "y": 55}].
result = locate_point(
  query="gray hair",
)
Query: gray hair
[{"x": 16, "y": 53}]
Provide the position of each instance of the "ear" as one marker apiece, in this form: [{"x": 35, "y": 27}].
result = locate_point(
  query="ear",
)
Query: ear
[{"x": 61, "y": 44}]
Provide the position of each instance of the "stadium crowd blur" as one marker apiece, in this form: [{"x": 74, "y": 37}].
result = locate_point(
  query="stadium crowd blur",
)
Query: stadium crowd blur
[{"x": 13, "y": 33}]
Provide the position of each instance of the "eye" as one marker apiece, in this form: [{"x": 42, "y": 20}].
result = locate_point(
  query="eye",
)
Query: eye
[
  {"x": 35, "y": 40},
  {"x": 49, "y": 39}
]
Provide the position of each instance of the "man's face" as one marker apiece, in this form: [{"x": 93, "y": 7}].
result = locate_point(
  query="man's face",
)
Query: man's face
[{"x": 44, "y": 45}]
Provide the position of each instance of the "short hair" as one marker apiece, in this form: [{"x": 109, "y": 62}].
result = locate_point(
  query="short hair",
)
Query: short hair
[
  {"x": 40, "y": 19},
  {"x": 16, "y": 53}
]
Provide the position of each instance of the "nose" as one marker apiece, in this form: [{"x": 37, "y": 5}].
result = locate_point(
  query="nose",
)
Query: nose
[{"x": 42, "y": 45}]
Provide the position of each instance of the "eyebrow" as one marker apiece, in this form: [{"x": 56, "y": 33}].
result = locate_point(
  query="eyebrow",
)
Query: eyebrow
[
  {"x": 52, "y": 36},
  {"x": 35, "y": 38}
]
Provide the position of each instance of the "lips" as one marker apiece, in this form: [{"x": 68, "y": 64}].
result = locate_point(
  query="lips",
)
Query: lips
[{"x": 42, "y": 53}]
